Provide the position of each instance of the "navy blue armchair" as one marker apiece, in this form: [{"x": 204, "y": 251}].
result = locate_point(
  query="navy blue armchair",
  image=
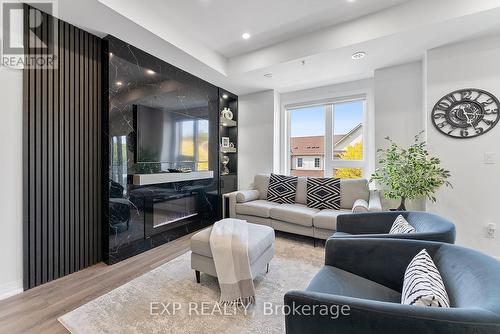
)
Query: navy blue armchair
[
  {"x": 428, "y": 226},
  {"x": 367, "y": 275}
]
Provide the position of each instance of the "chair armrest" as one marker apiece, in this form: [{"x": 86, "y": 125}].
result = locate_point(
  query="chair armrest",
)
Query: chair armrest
[
  {"x": 243, "y": 196},
  {"x": 366, "y": 223},
  {"x": 380, "y": 260},
  {"x": 354, "y": 315},
  {"x": 374, "y": 202}
]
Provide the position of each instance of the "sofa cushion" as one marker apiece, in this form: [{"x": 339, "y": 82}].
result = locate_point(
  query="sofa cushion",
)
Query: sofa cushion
[
  {"x": 323, "y": 193},
  {"x": 282, "y": 189},
  {"x": 301, "y": 197},
  {"x": 327, "y": 219},
  {"x": 294, "y": 213},
  {"x": 260, "y": 238},
  {"x": 261, "y": 183},
  {"x": 352, "y": 190},
  {"x": 259, "y": 208},
  {"x": 334, "y": 281}
]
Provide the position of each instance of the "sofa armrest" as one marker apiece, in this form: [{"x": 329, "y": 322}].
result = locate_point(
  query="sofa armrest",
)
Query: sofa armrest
[
  {"x": 380, "y": 260},
  {"x": 374, "y": 203},
  {"x": 354, "y": 315},
  {"x": 360, "y": 206},
  {"x": 243, "y": 196}
]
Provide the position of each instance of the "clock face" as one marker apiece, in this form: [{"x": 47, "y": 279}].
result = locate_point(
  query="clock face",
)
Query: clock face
[{"x": 466, "y": 113}]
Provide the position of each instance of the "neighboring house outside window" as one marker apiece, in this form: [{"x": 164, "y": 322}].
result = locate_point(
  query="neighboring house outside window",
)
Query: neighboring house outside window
[{"x": 342, "y": 122}]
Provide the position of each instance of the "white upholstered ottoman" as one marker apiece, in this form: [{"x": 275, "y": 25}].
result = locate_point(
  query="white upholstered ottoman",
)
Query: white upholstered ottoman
[{"x": 260, "y": 250}]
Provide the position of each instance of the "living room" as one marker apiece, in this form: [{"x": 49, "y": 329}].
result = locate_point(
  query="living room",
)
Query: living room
[{"x": 246, "y": 167}]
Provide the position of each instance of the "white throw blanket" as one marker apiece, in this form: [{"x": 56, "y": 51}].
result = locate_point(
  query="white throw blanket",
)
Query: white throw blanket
[{"x": 229, "y": 245}]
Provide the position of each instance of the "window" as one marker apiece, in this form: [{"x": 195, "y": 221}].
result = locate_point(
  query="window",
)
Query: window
[
  {"x": 331, "y": 132},
  {"x": 307, "y": 139}
]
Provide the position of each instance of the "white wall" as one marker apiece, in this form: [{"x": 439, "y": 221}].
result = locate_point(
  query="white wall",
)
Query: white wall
[
  {"x": 11, "y": 256},
  {"x": 399, "y": 108},
  {"x": 474, "y": 200},
  {"x": 256, "y": 136}
]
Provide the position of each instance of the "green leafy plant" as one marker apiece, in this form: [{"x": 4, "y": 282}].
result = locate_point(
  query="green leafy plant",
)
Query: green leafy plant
[{"x": 409, "y": 173}]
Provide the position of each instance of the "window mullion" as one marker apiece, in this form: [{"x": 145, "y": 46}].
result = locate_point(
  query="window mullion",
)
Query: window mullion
[{"x": 328, "y": 161}]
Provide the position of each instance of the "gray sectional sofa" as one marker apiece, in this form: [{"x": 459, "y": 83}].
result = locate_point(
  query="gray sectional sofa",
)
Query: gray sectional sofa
[{"x": 252, "y": 206}]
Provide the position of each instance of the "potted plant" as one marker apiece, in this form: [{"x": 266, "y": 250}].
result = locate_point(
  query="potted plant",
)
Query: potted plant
[{"x": 409, "y": 173}]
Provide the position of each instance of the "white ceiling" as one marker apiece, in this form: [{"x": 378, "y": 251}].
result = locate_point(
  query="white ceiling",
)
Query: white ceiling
[
  {"x": 323, "y": 33},
  {"x": 219, "y": 24}
]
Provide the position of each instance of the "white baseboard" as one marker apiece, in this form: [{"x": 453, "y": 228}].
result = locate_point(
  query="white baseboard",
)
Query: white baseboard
[{"x": 10, "y": 289}]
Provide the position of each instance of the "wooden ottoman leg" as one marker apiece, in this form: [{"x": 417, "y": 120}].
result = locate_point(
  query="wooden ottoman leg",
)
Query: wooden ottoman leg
[{"x": 197, "y": 273}]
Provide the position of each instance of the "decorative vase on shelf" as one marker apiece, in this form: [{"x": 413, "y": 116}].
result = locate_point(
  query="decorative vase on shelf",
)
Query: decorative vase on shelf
[
  {"x": 225, "y": 161},
  {"x": 227, "y": 113}
]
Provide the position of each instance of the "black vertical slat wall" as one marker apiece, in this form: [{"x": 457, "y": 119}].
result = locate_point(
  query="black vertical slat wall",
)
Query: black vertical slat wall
[{"x": 62, "y": 156}]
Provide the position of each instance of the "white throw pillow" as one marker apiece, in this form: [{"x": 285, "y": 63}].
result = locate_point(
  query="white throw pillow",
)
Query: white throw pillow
[
  {"x": 423, "y": 284},
  {"x": 401, "y": 226}
]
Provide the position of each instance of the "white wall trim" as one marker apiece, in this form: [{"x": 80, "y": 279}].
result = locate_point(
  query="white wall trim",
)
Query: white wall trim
[{"x": 10, "y": 289}]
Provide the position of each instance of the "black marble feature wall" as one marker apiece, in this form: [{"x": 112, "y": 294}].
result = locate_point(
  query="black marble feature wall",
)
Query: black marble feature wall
[
  {"x": 144, "y": 92},
  {"x": 62, "y": 150}
]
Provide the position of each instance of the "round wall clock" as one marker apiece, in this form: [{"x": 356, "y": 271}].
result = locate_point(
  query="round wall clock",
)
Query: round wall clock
[{"x": 466, "y": 113}]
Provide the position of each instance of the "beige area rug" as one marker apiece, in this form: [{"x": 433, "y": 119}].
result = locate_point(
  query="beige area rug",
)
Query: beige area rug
[{"x": 168, "y": 299}]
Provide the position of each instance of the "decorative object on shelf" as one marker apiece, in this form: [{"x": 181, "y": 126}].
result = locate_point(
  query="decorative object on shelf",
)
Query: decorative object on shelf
[
  {"x": 225, "y": 161},
  {"x": 409, "y": 173},
  {"x": 225, "y": 142},
  {"x": 466, "y": 113},
  {"x": 227, "y": 113},
  {"x": 231, "y": 145}
]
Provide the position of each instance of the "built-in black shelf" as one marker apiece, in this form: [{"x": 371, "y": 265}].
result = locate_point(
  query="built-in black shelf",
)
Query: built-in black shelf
[{"x": 228, "y": 128}]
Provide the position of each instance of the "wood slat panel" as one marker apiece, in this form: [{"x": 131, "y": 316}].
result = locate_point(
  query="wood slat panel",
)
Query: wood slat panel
[{"x": 62, "y": 153}]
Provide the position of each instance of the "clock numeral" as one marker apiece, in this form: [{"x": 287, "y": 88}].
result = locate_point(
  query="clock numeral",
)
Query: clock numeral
[
  {"x": 491, "y": 111},
  {"x": 479, "y": 130},
  {"x": 464, "y": 133},
  {"x": 442, "y": 125},
  {"x": 487, "y": 102},
  {"x": 466, "y": 95},
  {"x": 487, "y": 121},
  {"x": 438, "y": 116}
]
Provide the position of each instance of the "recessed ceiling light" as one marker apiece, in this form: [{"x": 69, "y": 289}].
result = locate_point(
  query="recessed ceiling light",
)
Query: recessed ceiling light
[
  {"x": 358, "y": 55},
  {"x": 268, "y": 75},
  {"x": 111, "y": 54},
  {"x": 119, "y": 83},
  {"x": 246, "y": 35},
  {"x": 151, "y": 72},
  {"x": 351, "y": 1},
  {"x": 225, "y": 97}
]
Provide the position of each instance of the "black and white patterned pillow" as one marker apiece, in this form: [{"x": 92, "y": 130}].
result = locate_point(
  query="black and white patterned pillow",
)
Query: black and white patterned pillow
[
  {"x": 323, "y": 193},
  {"x": 423, "y": 284},
  {"x": 282, "y": 189},
  {"x": 401, "y": 226}
]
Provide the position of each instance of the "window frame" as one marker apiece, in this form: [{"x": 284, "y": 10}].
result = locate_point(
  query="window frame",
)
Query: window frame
[
  {"x": 300, "y": 162},
  {"x": 330, "y": 164}
]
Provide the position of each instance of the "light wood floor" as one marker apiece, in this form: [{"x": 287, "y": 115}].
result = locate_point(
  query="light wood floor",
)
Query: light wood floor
[{"x": 37, "y": 310}]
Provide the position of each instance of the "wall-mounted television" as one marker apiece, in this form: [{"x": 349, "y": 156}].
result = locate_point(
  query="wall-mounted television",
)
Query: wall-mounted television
[{"x": 176, "y": 139}]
